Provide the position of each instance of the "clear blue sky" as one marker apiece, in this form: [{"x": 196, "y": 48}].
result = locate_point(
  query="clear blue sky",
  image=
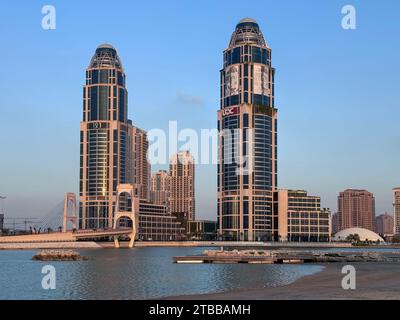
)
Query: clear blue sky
[{"x": 337, "y": 90}]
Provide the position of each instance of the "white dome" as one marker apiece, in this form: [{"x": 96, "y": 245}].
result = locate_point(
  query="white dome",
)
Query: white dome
[{"x": 364, "y": 234}]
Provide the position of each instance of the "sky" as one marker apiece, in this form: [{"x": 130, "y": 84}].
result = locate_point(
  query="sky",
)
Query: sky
[{"x": 337, "y": 91}]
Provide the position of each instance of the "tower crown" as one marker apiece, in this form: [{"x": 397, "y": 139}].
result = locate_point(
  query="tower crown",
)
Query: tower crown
[
  {"x": 247, "y": 32},
  {"x": 105, "y": 56}
]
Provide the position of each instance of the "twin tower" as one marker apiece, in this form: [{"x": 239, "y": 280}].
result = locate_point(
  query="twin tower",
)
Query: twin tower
[{"x": 247, "y": 122}]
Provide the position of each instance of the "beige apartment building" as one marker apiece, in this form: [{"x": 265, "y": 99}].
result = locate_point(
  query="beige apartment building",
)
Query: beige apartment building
[
  {"x": 182, "y": 187},
  {"x": 300, "y": 217},
  {"x": 160, "y": 188},
  {"x": 356, "y": 208},
  {"x": 139, "y": 164},
  {"x": 384, "y": 224}
]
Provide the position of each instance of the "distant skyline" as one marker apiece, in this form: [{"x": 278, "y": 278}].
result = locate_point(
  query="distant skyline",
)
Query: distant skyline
[{"x": 336, "y": 90}]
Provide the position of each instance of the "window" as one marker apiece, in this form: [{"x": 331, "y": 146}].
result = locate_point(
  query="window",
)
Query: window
[
  {"x": 246, "y": 120},
  {"x": 256, "y": 54},
  {"x": 236, "y": 55},
  {"x": 93, "y": 103},
  {"x": 103, "y": 76},
  {"x": 103, "y": 99},
  {"x": 121, "y": 104},
  {"x": 120, "y": 79},
  {"x": 264, "y": 56},
  {"x": 95, "y": 76}
]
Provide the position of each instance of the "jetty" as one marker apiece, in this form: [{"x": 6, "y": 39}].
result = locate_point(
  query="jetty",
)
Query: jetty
[{"x": 286, "y": 257}]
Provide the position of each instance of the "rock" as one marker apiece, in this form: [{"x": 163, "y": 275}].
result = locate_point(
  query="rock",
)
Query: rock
[{"x": 58, "y": 255}]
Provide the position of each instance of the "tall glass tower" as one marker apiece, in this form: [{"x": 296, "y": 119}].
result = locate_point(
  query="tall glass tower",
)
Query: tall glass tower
[
  {"x": 247, "y": 123},
  {"x": 104, "y": 138}
]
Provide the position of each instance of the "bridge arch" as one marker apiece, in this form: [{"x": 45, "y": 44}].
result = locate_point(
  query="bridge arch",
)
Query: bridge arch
[
  {"x": 125, "y": 201},
  {"x": 69, "y": 205},
  {"x": 126, "y": 210}
]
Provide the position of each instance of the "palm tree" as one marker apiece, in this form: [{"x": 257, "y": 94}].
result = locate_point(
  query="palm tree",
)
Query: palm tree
[
  {"x": 396, "y": 238},
  {"x": 353, "y": 238}
]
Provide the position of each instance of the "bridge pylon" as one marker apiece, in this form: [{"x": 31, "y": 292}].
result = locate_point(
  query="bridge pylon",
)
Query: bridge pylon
[
  {"x": 70, "y": 198},
  {"x": 131, "y": 214}
]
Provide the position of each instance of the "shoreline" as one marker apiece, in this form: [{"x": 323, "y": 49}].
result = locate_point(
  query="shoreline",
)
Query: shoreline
[
  {"x": 28, "y": 245},
  {"x": 374, "y": 280},
  {"x": 50, "y": 245},
  {"x": 6, "y": 243}
]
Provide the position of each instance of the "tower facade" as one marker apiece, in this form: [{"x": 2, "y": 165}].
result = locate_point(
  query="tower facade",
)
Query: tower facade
[
  {"x": 247, "y": 153},
  {"x": 182, "y": 191},
  {"x": 104, "y": 139}
]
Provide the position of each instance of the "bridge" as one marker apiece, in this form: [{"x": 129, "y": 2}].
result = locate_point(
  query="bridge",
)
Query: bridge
[
  {"x": 43, "y": 230},
  {"x": 67, "y": 236}
]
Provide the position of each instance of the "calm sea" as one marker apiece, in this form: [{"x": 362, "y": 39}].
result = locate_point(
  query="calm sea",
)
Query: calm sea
[{"x": 140, "y": 273}]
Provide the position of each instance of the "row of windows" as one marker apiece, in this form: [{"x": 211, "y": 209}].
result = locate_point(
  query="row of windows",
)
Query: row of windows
[
  {"x": 105, "y": 76},
  {"x": 99, "y": 104},
  {"x": 247, "y": 54},
  {"x": 257, "y": 99}
]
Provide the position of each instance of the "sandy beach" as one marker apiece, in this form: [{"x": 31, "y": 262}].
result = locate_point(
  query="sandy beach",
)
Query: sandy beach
[{"x": 373, "y": 281}]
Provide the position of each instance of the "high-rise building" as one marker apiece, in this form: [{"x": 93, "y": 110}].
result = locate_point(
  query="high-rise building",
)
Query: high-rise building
[
  {"x": 247, "y": 123},
  {"x": 301, "y": 217},
  {"x": 104, "y": 138},
  {"x": 384, "y": 224},
  {"x": 396, "y": 210},
  {"x": 140, "y": 166},
  {"x": 182, "y": 188},
  {"x": 160, "y": 185},
  {"x": 356, "y": 208}
]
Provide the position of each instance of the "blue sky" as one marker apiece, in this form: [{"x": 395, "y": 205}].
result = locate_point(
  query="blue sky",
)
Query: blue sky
[{"x": 337, "y": 91}]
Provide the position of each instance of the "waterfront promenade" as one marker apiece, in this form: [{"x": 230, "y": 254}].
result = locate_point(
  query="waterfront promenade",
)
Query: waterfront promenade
[
  {"x": 69, "y": 240},
  {"x": 56, "y": 240},
  {"x": 243, "y": 244},
  {"x": 49, "y": 245}
]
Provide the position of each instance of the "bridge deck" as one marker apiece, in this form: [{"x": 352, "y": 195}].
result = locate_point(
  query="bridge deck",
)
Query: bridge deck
[{"x": 65, "y": 236}]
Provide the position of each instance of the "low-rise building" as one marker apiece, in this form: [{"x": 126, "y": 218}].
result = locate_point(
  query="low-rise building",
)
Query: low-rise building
[
  {"x": 157, "y": 224},
  {"x": 202, "y": 230},
  {"x": 301, "y": 218}
]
